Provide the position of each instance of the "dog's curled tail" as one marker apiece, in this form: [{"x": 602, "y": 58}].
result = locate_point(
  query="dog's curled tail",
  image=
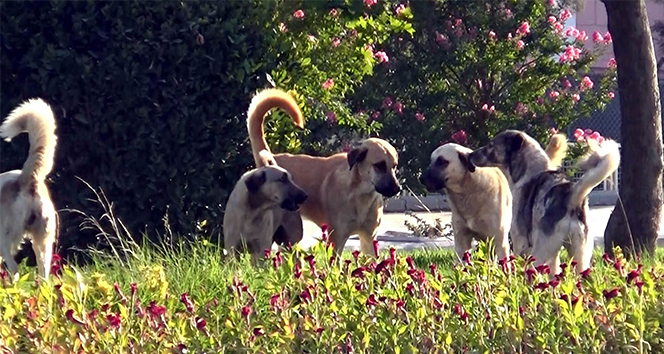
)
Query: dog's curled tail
[
  {"x": 599, "y": 162},
  {"x": 35, "y": 117},
  {"x": 556, "y": 150},
  {"x": 262, "y": 103}
]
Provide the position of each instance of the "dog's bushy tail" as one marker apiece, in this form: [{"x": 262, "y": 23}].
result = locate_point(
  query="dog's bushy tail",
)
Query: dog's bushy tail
[
  {"x": 556, "y": 150},
  {"x": 600, "y": 162},
  {"x": 35, "y": 117},
  {"x": 263, "y": 102}
]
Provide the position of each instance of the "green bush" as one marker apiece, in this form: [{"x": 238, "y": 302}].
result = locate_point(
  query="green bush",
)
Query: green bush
[{"x": 150, "y": 97}]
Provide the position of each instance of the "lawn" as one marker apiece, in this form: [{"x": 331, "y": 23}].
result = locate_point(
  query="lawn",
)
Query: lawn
[{"x": 177, "y": 299}]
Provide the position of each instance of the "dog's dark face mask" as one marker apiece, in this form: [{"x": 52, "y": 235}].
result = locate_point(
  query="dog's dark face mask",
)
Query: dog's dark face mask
[
  {"x": 295, "y": 196},
  {"x": 275, "y": 185},
  {"x": 500, "y": 150},
  {"x": 436, "y": 175},
  {"x": 382, "y": 170}
]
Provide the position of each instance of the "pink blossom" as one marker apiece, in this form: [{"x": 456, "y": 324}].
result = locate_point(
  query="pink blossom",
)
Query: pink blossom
[
  {"x": 331, "y": 117},
  {"x": 370, "y": 3},
  {"x": 460, "y": 137},
  {"x": 571, "y": 54},
  {"x": 334, "y": 13},
  {"x": 441, "y": 39},
  {"x": 382, "y": 57},
  {"x": 283, "y": 28},
  {"x": 336, "y": 42},
  {"x": 611, "y": 95},
  {"x": 572, "y": 32},
  {"x": 458, "y": 22},
  {"x": 565, "y": 14},
  {"x": 419, "y": 116},
  {"x": 387, "y": 102},
  {"x": 369, "y": 48},
  {"x": 595, "y": 136},
  {"x": 398, "y": 107},
  {"x": 566, "y": 84},
  {"x": 375, "y": 115},
  {"x": 597, "y": 37},
  {"x": 582, "y": 36},
  {"x": 552, "y": 19},
  {"x": 540, "y": 100},
  {"x": 551, "y": 2},
  {"x": 298, "y": 14},
  {"x": 558, "y": 27},
  {"x": 508, "y": 13},
  {"x": 586, "y": 83},
  {"x": 485, "y": 107},
  {"x": 492, "y": 34},
  {"x": 579, "y": 134},
  {"x": 509, "y": 36},
  {"x": 520, "y": 44},
  {"x": 607, "y": 38},
  {"x": 520, "y": 108},
  {"x": 553, "y": 131},
  {"x": 328, "y": 84},
  {"x": 576, "y": 97},
  {"x": 400, "y": 9},
  {"x": 611, "y": 63},
  {"x": 554, "y": 94},
  {"x": 523, "y": 29}
]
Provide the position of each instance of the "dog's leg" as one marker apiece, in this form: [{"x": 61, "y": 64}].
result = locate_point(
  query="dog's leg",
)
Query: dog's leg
[
  {"x": 547, "y": 250},
  {"x": 502, "y": 243},
  {"x": 581, "y": 248},
  {"x": 43, "y": 249},
  {"x": 6, "y": 254},
  {"x": 366, "y": 241},
  {"x": 338, "y": 236}
]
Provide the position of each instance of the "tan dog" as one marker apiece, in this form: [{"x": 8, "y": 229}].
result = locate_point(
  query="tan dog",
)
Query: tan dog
[
  {"x": 26, "y": 210},
  {"x": 480, "y": 198},
  {"x": 345, "y": 190},
  {"x": 262, "y": 207},
  {"x": 549, "y": 210}
]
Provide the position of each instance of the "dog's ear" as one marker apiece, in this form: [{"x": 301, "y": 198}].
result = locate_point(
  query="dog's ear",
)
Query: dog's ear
[
  {"x": 465, "y": 161},
  {"x": 516, "y": 142},
  {"x": 356, "y": 156},
  {"x": 255, "y": 181}
]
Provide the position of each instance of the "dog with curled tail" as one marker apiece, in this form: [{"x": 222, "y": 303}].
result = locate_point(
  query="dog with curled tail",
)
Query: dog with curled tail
[
  {"x": 262, "y": 208},
  {"x": 26, "y": 209}
]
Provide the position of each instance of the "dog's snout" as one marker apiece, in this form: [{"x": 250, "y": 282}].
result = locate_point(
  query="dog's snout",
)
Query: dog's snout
[
  {"x": 301, "y": 197},
  {"x": 431, "y": 182}
]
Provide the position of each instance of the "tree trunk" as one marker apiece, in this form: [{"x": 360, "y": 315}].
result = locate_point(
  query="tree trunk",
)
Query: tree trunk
[{"x": 640, "y": 187}]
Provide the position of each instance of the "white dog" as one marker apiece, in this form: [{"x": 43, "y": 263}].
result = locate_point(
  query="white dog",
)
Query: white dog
[{"x": 26, "y": 210}]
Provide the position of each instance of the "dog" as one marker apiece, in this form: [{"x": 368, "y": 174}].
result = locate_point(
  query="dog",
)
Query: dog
[
  {"x": 480, "y": 198},
  {"x": 549, "y": 211},
  {"x": 345, "y": 190},
  {"x": 262, "y": 207},
  {"x": 26, "y": 209}
]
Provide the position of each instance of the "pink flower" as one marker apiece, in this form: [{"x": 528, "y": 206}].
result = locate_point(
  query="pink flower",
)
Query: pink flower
[
  {"x": 492, "y": 109},
  {"x": 184, "y": 298},
  {"x": 283, "y": 28},
  {"x": 369, "y": 48},
  {"x": 441, "y": 39},
  {"x": 607, "y": 38},
  {"x": 566, "y": 84},
  {"x": 331, "y": 117},
  {"x": 579, "y": 134},
  {"x": 375, "y": 115},
  {"x": 370, "y": 3},
  {"x": 565, "y": 14},
  {"x": 586, "y": 83},
  {"x": 328, "y": 84},
  {"x": 520, "y": 108},
  {"x": 485, "y": 107},
  {"x": 582, "y": 36},
  {"x": 509, "y": 36},
  {"x": 520, "y": 44},
  {"x": 553, "y": 131},
  {"x": 597, "y": 37},
  {"x": 382, "y": 57},
  {"x": 540, "y": 100},
  {"x": 508, "y": 13},
  {"x": 576, "y": 97},
  {"x": 336, "y": 42},
  {"x": 398, "y": 107},
  {"x": 387, "y": 102},
  {"x": 458, "y": 22},
  {"x": 552, "y": 19},
  {"x": 611, "y": 95},
  {"x": 551, "y": 2},
  {"x": 298, "y": 14},
  {"x": 558, "y": 27},
  {"x": 334, "y": 12},
  {"x": 554, "y": 94},
  {"x": 400, "y": 9},
  {"x": 595, "y": 136},
  {"x": 419, "y": 116},
  {"x": 571, "y": 54},
  {"x": 611, "y": 63},
  {"x": 492, "y": 34},
  {"x": 460, "y": 137},
  {"x": 523, "y": 29}
]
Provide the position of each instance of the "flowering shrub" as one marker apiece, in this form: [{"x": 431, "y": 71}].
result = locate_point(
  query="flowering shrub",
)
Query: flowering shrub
[
  {"x": 315, "y": 302},
  {"x": 476, "y": 68}
]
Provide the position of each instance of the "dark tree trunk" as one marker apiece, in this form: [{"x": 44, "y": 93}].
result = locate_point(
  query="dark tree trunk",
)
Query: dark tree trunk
[{"x": 641, "y": 131}]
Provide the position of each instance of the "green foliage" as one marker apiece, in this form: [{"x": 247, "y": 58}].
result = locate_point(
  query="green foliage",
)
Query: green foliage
[
  {"x": 464, "y": 70},
  {"x": 151, "y": 97},
  {"x": 298, "y": 301}
]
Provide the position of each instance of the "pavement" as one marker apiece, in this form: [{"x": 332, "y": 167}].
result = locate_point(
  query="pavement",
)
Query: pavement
[{"x": 393, "y": 232}]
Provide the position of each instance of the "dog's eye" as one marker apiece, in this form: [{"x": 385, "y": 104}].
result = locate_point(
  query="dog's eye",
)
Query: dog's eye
[
  {"x": 441, "y": 162},
  {"x": 284, "y": 178},
  {"x": 380, "y": 166}
]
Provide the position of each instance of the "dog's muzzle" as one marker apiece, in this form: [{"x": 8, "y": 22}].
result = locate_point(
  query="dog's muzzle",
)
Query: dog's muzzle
[
  {"x": 389, "y": 189},
  {"x": 292, "y": 203},
  {"x": 431, "y": 181}
]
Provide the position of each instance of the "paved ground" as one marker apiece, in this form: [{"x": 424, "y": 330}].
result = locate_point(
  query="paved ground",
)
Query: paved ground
[{"x": 393, "y": 232}]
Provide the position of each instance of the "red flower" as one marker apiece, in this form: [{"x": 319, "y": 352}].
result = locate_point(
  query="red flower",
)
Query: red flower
[
  {"x": 522, "y": 311},
  {"x": 639, "y": 284},
  {"x": 324, "y": 232},
  {"x": 554, "y": 282},
  {"x": 543, "y": 268},
  {"x": 356, "y": 254},
  {"x": 246, "y": 311},
  {"x": 267, "y": 253},
  {"x": 275, "y": 303},
  {"x": 328, "y": 297},
  {"x": 371, "y": 301},
  {"x": 184, "y": 298},
  {"x": 585, "y": 273},
  {"x": 610, "y": 294},
  {"x": 542, "y": 286},
  {"x": 297, "y": 271},
  {"x": 383, "y": 265},
  {"x": 397, "y": 106},
  {"x": 359, "y": 272},
  {"x": 434, "y": 268},
  {"x": 114, "y": 320},
  {"x": 70, "y": 316},
  {"x": 466, "y": 257},
  {"x": 298, "y": 14},
  {"x": 133, "y": 288},
  {"x": 305, "y": 296},
  {"x": 156, "y": 310},
  {"x": 634, "y": 274},
  {"x": 258, "y": 331},
  {"x": 410, "y": 262},
  {"x": 393, "y": 254},
  {"x": 118, "y": 291},
  {"x": 201, "y": 325}
]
